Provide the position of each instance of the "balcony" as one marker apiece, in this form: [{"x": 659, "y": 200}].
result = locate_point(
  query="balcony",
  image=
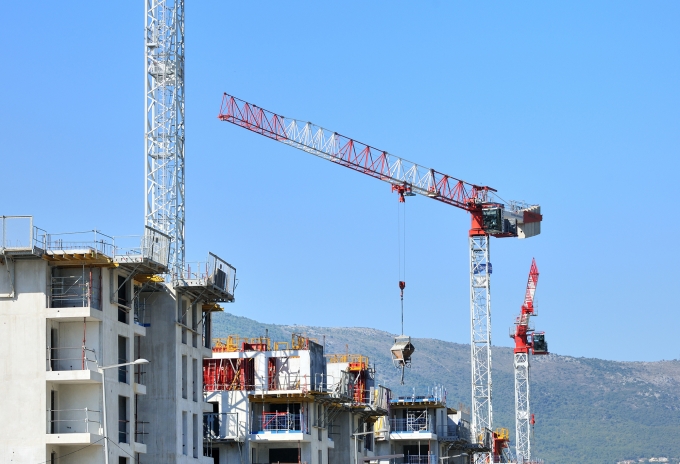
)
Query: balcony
[
  {"x": 411, "y": 425},
  {"x": 139, "y": 384},
  {"x": 140, "y": 432},
  {"x": 72, "y": 365},
  {"x": 280, "y": 426},
  {"x": 279, "y": 422},
  {"x": 74, "y": 427},
  {"x": 74, "y": 298},
  {"x": 221, "y": 427},
  {"x": 139, "y": 443},
  {"x": 412, "y": 428}
]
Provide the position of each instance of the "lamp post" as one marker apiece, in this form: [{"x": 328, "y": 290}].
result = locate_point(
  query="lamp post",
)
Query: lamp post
[
  {"x": 355, "y": 435},
  {"x": 101, "y": 370}
]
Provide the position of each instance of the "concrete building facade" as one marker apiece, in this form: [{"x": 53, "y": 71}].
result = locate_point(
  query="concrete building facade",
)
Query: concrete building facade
[
  {"x": 290, "y": 403},
  {"x": 75, "y": 306},
  {"x": 280, "y": 402}
]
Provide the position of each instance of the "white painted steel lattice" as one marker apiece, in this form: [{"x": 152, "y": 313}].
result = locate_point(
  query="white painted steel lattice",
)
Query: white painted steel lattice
[
  {"x": 522, "y": 407},
  {"x": 480, "y": 318},
  {"x": 164, "y": 124}
]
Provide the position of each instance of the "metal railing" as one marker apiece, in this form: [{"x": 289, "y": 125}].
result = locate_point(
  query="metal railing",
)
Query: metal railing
[
  {"x": 123, "y": 431},
  {"x": 412, "y": 425},
  {"x": 123, "y": 371},
  {"x": 140, "y": 313},
  {"x": 140, "y": 433},
  {"x": 93, "y": 240},
  {"x": 279, "y": 422},
  {"x": 74, "y": 292},
  {"x": 139, "y": 374},
  {"x": 73, "y": 421},
  {"x": 154, "y": 245},
  {"x": 222, "y": 426},
  {"x": 71, "y": 358},
  {"x": 452, "y": 431},
  {"x": 18, "y": 233},
  {"x": 214, "y": 271},
  {"x": 421, "y": 459}
]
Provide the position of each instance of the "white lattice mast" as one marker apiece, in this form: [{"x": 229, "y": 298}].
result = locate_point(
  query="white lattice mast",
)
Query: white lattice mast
[
  {"x": 480, "y": 320},
  {"x": 164, "y": 124},
  {"x": 526, "y": 342},
  {"x": 522, "y": 426}
]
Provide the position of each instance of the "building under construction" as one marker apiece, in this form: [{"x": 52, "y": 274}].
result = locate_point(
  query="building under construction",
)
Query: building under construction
[
  {"x": 288, "y": 402},
  {"x": 109, "y": 354},
  {"x": 121, "y": 327}
]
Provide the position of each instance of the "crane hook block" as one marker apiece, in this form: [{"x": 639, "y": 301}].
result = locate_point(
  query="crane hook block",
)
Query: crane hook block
[{"x": 402, "y": 285}]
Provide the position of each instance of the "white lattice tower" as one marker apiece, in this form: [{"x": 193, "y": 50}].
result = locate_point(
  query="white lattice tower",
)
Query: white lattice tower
[
  {"x": 480, "y": 318},
  {"x": 522, "y": 425},
  {"x": 164, "y": 125}
]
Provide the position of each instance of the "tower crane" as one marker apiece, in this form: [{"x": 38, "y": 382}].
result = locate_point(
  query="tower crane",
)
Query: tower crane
[
  {"x": 164, "y": 123},
  {"x": 490, "y": 216},
  {"x": 526, "y": 342}
]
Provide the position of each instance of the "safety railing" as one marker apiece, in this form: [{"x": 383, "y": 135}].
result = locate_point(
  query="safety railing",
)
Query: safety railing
[
  {"x": 73, "y": 421},
  {"x": 139, "y": 374},
  {"x": 412, "y": 425},
  {"x": 123, "y": 431},
  {"x": 154, "y": 245},
  {"x": 140, "y": 313},
  {"x": 450, "y": 431},
  {"x": 71, "y": 358},
  {"x": 123, "y": 371},
  {"x": 18, "y": 233},
  {"x": 279, "y": 422},
  {"x": 222, "y": 426},
  {"x": 74, "y": 292},
  {"x": 421, "y": 459},
  {"x": 140, "y": 432},
  {"x": 357, "y": 361},
  {"x": 464, "y": 430},
  {"x": 92, "y": 240},
  {"x": 214, "y": 271}
]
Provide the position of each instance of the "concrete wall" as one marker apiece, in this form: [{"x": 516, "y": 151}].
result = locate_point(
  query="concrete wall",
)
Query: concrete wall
[
  {"x": 171, "y": 321},
  {"x": 22, "y": 364},
  {"x": 25, "y": 327}
]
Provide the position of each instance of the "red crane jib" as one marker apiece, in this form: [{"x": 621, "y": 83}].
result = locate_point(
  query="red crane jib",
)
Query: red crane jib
[
  {"x": 522, "y": 343},
  {"x": 352, "y": 154},
  {"x": 407, "y": 178}
]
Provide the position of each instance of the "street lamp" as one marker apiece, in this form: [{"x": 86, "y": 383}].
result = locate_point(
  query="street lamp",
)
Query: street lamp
[
  {"x": 355, "y": 435},
  {"x": 101, "y": 370}
]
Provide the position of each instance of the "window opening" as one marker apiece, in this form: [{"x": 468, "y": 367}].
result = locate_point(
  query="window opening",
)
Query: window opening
[{"x": 123, "y": 420}]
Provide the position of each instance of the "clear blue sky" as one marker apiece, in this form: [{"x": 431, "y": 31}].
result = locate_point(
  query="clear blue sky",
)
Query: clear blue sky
[{"x": 573, "y": 105}]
